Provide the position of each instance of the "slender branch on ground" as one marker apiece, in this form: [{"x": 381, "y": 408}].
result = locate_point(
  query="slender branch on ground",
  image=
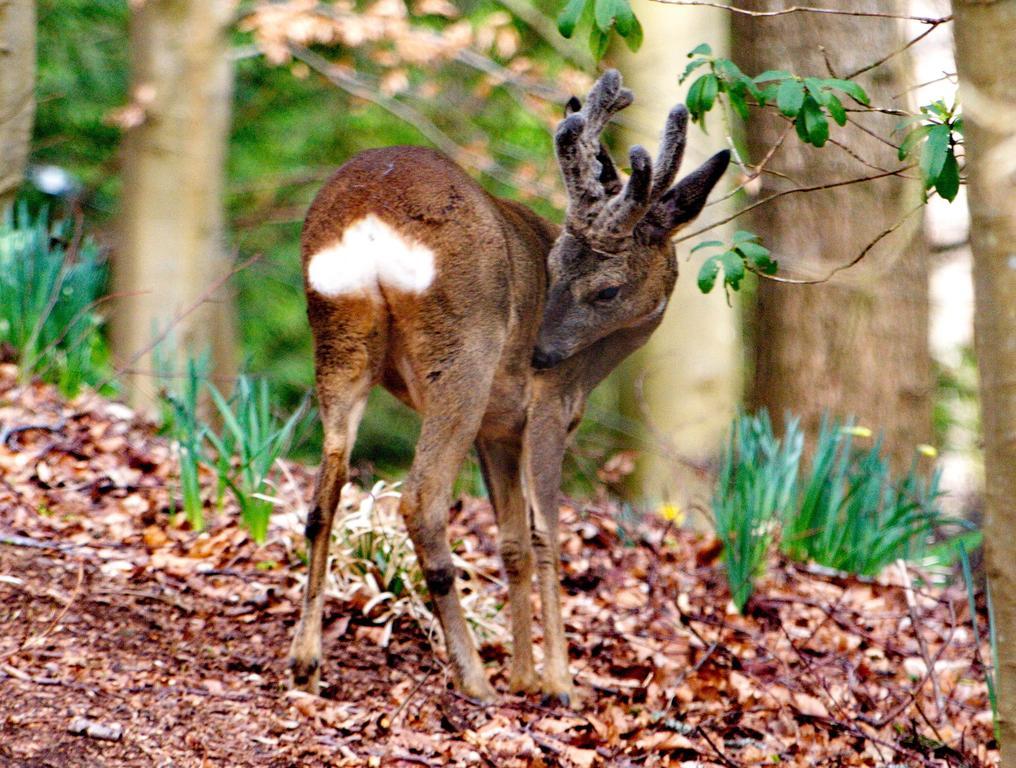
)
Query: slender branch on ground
[
  {"x": 908, "y": 591},
  {"x": 37, "y": 639}
]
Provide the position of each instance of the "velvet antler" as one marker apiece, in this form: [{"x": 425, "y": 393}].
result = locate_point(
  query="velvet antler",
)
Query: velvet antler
[{"x": 600, "y": 207}]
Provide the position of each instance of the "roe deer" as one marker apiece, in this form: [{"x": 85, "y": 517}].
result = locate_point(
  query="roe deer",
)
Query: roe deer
[{"x": 494, "y": 325}]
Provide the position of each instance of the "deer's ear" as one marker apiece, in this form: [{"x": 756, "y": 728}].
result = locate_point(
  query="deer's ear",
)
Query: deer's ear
[{"x": 684, "y": 201}]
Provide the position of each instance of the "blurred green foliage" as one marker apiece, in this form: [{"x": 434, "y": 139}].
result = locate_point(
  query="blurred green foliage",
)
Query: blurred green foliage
[{"x": 51, "y": 279}]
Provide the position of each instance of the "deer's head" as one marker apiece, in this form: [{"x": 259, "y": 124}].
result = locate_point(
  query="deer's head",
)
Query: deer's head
[{"x": 613, "y": 266}]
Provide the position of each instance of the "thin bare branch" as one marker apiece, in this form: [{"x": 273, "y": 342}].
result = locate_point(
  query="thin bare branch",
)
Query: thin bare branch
[
  {"x": 545, "y": 27},
  {"x": 785, "y": 192},
  {"x": 897, "y": 52},
  {"x": 853, "y": 262},
  {"x": 935, "y": 21},
  {"x": 177, "y": 319},
  {"x": 356, "y": 87}
]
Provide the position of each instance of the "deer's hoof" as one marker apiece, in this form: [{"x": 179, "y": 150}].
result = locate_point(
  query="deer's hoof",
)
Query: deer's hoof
[
  {"x": 306, "y": 674},
  {"x": 305, "y": 668},
  {"x": 556, "y": 700},
  {"x": 524, "y": 681},
  {"x": 479, "y": 689},
  {"x": 558, "y": 693}
]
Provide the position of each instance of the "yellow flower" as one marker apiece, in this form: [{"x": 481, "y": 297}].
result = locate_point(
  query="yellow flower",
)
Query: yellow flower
[
  {"x": 671, "y": 513},
  {"x": 927, "y": 450},
  {"x": 857, "y": 431}
]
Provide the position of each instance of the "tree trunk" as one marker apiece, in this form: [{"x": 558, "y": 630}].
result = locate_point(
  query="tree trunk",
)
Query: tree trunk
[
  {"x": 17, "y": 92},
  {"x": 985, "y": 39},
  {"x": 690, "y": 370},
  {"x": 172, "y": 248},
  {"x": 857, "y": 345}
]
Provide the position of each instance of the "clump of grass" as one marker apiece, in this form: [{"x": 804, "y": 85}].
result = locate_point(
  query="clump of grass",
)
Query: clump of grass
[
  {"x": 756, "y": 485},
  {"x": 853, "y": 514},
  {"x": 251, "y": 440},
  {"x": 241, "y": 453},
  {"x": 374, "y": 566},
  {"x": 180, "y": 420},
  {"x": 51, "y": 280},
  {"x": 850, "y": 513}
]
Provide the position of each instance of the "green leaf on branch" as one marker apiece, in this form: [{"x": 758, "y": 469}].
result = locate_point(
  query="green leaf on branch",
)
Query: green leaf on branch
[
  {"x": 948, "y": 182},
  {"x": 936, "y": 149},
  {"x": 634, "y": 38},
  {"x": 811, "y": 102},
  {"x": 835, "y": 109},
  {"x": 599, "y": 41},
  {"x": 772, "y": 74},
  {"x": 815, "y": 125},
  {"x": 744, "y": 254},
  {"x": 850, "y": 88},
  {"x": 790, "y": 97},
  {"x": 569, "y": 17},
  {"x": 939, "y": 133},
  {"x": 708, "y": 244},
  {"x": 602, "y": 16},
  {"x": 707, "y": 274},
  {"x": 733, "y": 268}
]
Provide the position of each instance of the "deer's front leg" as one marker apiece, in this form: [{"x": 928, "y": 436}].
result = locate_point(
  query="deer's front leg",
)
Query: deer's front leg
[
  {"x": 546, "y": 436},
  {"x": 502, "y": 476}
]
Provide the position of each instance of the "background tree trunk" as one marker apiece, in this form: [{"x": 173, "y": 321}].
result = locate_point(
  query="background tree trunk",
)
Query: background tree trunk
[
  {"x": 17, "y": 92},
  {"x": 172, "y": 248},
  {"x": 859, "y": 344},
  {"x": 690, "y": 369},
  {"x": 985, "y": 39}
]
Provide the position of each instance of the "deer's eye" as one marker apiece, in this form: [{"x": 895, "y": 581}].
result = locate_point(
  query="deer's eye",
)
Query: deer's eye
[{"x": 607, "y": 294}]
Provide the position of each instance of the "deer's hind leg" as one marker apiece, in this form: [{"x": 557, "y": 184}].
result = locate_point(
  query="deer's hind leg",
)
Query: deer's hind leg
[
  {"x": 455, "y": 402},
  {"x": 346, "y": 347},
  {"x": 500, "y": 463}
]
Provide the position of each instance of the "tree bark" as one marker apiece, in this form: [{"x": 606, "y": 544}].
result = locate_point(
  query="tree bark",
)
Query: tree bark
[
  {"x": 985, "y": 40},
  {"x": 857, "y": 345},
  {"x": 173, "y": 245},
  {"x": 17, "y": 93},
  {"x": 685, "y": 383}
]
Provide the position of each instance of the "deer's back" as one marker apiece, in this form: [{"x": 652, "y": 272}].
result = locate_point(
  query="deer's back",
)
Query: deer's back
[{"x": 406, "y": 236}]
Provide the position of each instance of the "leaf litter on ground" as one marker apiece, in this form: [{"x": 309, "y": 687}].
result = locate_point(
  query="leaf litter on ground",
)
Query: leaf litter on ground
[{"x": 114, "y": 611}]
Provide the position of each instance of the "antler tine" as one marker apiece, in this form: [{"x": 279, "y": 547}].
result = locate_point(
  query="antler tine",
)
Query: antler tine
[
  {"x": 623, "y": 212},
  {"x": 668, "y": 161},
  {"x": 608, "y": 171},
  {"x": 579, "y": 166},
  {"x": 589, "y": 173},
  {"x": 606, "y": 98}
]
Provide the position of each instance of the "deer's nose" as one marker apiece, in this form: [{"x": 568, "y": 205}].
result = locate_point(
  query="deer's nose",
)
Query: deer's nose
[{"x": 543, "y": 360}]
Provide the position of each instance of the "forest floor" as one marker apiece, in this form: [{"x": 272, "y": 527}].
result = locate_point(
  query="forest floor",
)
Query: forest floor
[{"x": 128, "y": 640}]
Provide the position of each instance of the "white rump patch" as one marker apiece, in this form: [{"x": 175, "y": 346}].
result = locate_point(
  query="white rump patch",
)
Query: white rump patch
[{"x": 371, "y": 253}]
